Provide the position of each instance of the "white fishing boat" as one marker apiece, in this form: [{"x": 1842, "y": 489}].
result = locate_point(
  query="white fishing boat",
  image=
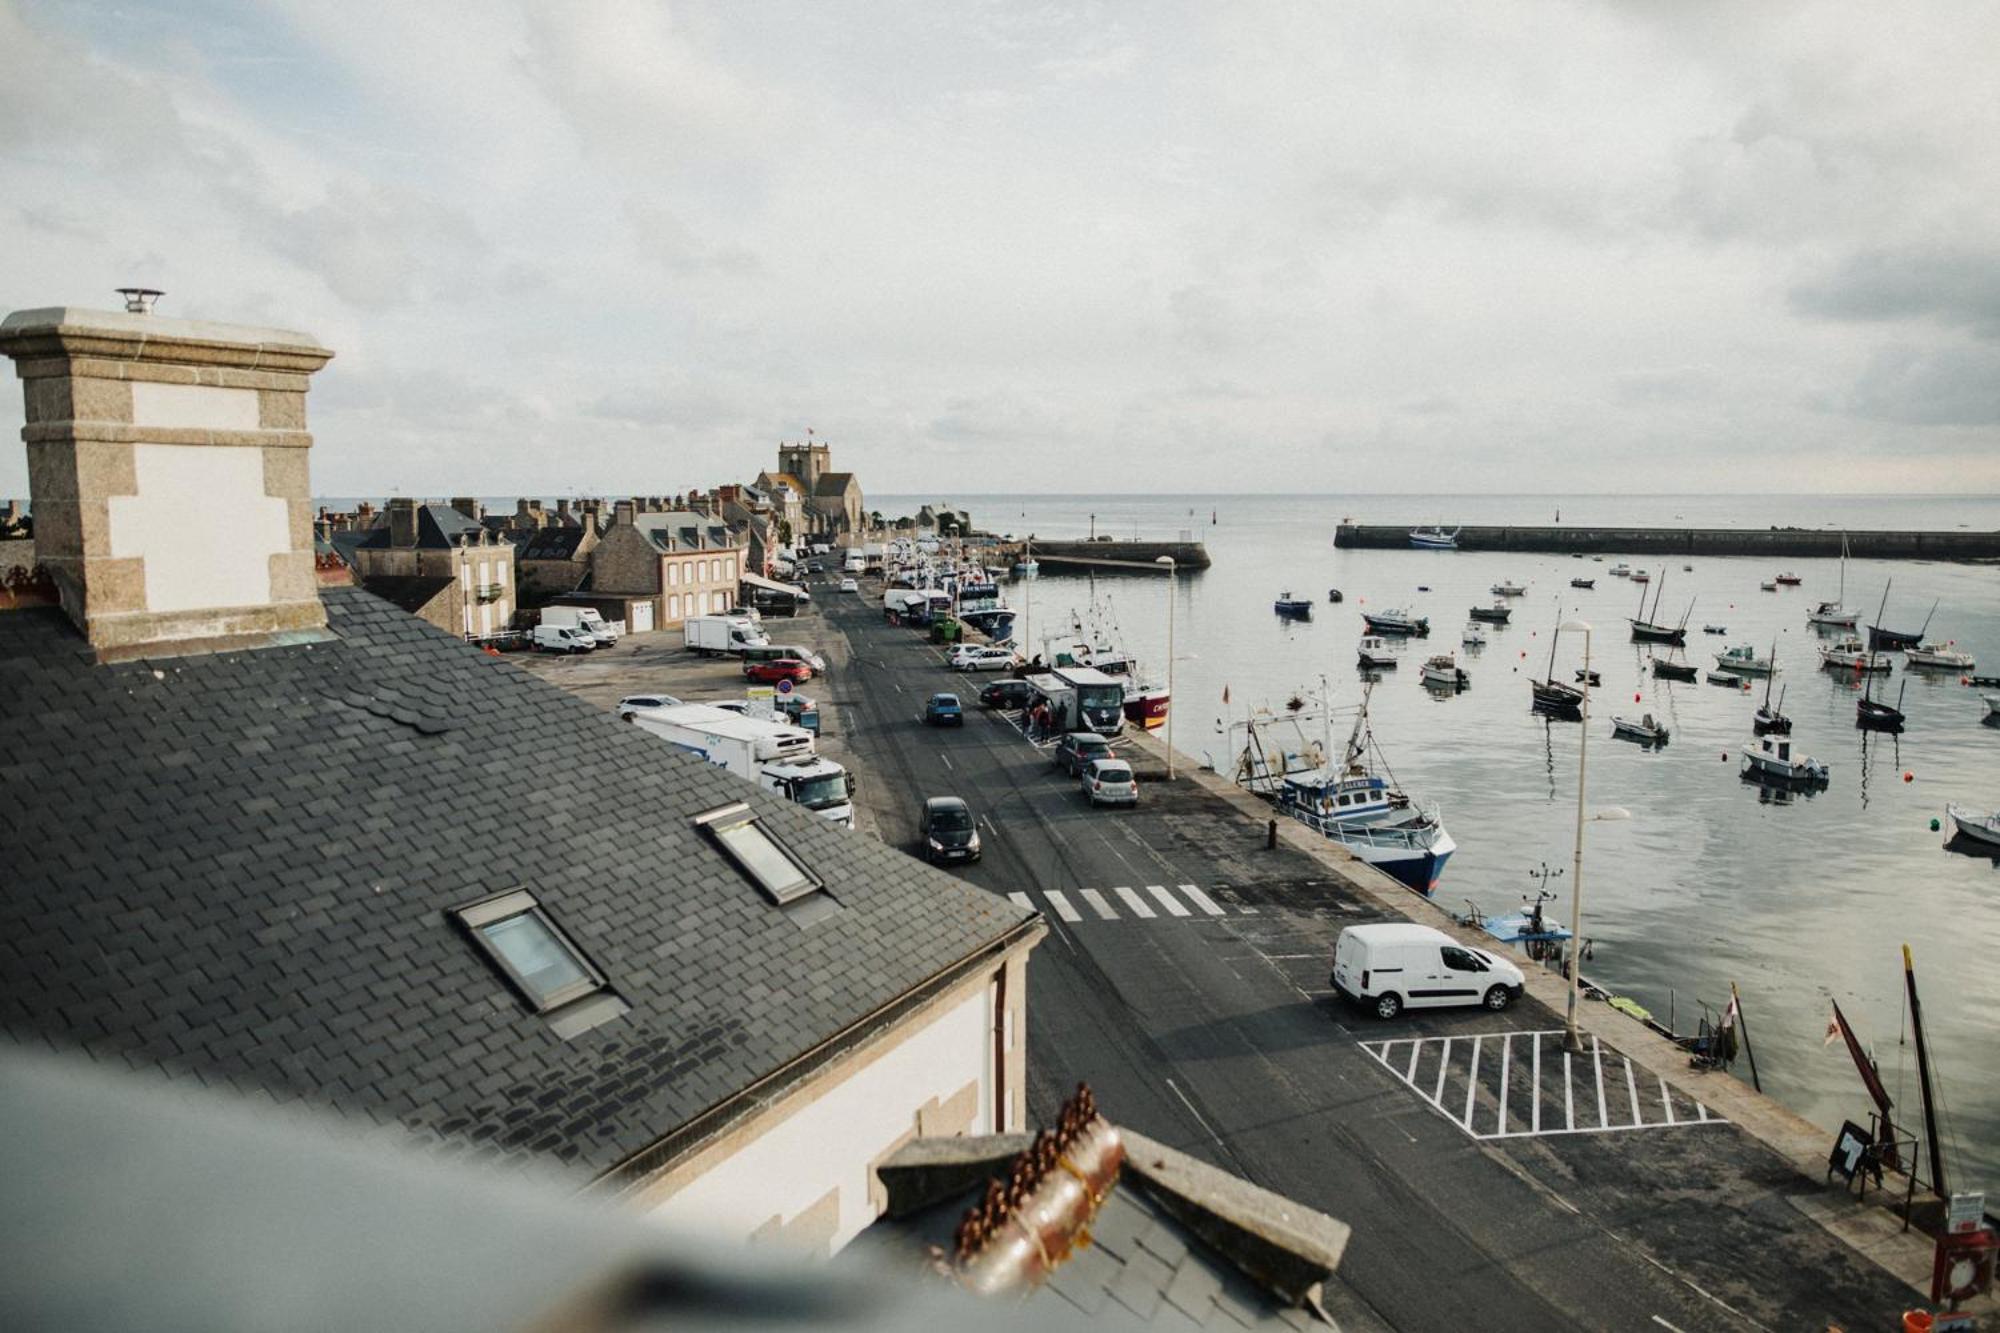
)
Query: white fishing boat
[
  {"x": 1979, "y": 825},
  {"x": 1938, "y": 657},
  {"x": 1376, "y": 651},
  {"x": 1508, "y": 588},
  {"x": 1641, "y": 576},
  {"x": 1640, "y": 729},
  {"x": 1833, "y": 614},
  {"x": 1621, "y": 570},
  {"x": 1474, "y": 636},
  {"x": 1443, "y": 669},
  {"x": 1992, "y": 702},
  {"x": 1769, "y": 585},
  {"x": 1849, "y": 654},
  {"x": 1434, "y": 539},
  {"x": 1774, "y": 757},
  {"x": 1743, "y": 661}
]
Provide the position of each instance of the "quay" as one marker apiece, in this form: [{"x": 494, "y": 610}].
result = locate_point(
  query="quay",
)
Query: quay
[
  {"x": 1875, "y": 544},
  {"x": 1111, "y": 553}
]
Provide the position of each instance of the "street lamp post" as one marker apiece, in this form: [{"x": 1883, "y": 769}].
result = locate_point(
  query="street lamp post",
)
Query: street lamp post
[
  {"x": 1571, "y": 1040},
  {"x": 1172, "y": 703}
]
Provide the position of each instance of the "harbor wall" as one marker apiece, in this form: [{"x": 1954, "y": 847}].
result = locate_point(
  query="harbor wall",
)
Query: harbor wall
[
  {"x": 1774, "y": 542},
  {"x": 1109, "y": 553}
]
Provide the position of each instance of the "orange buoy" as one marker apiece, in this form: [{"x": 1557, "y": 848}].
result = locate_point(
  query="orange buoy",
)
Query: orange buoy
[{"x": 1909, "y": 776}]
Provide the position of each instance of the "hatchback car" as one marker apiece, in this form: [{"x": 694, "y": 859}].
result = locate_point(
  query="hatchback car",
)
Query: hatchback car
[
  {"x": 985, "y": 659},
  {"x": 770, "y": 673},
  {"x": 632, "y": 703},
  {"x": 1076, "y": 751},
  {"x": 946, "y": 826},
  {"x": 1110, "y": 782},
  {"x": 1007, "y": 694},
  {"x": 944, "y": 710},
  {"x": 849, "y": 585}
]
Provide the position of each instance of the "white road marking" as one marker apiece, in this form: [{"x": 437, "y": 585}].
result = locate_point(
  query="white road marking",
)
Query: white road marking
[
  {"x": 1061, "y": 903},
  {"x": 1632, "y": 1086},
  {"x": 1201, "y": 900},
  {"x": 1167, "y": 900},
  {"x": 947, "y": 761},
  {"x": 1506, "y": 1055},
  {"x": 1135, "y": 902},
  {"x": 1472, "y": 1082},
  {"x": 1569, "y": 1099},
  {"x": 1098, "y": 905},
  {"x": 1537, "y": 1116},
  {"x": 1667, "y": 1100},
  {"x": 1597, "y": 1060},
  {"x": 1021, "y": 900},
  {"x": 1444, "y": 1067},
  {"x": 1410, "y": 1076},
  {"x": 1198, "y": 1118}
]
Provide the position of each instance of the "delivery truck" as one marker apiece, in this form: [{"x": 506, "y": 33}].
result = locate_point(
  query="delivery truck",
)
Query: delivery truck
[
  {"x": 776, "y": 756},
  {"x": 584, "y": 619},
  {"x": 714, "y": 636}
]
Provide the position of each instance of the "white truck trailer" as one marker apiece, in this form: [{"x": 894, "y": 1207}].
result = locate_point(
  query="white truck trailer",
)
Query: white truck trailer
[
  {"x": 712, "y": 636},
  {"x": 776, "y": 756}
]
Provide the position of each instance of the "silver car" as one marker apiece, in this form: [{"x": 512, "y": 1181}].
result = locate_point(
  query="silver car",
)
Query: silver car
[{"x": 1110, "y": 782}]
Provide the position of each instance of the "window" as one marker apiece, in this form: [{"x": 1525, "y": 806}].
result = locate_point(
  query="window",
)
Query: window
[
  {"x": 530, "y": 951},
  {"x": 757, "y": 854},
  {"x": 674, "y": 573},
  {"x": 729, "y": 568},
  {"x": 1458, "y": 960}
]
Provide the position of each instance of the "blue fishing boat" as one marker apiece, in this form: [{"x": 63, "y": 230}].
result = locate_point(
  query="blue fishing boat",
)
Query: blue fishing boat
[
  {"x": 1398, "y": 621},
  {"x": 1293, "y": 608}
]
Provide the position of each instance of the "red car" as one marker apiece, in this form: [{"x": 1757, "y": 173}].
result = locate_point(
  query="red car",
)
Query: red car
[{"x": 784, "y": 668}]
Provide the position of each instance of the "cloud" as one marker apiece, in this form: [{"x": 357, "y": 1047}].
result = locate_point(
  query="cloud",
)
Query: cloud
[
  {"x": 1953, "y": 386},
  {"x": 1952, "y": 286}
]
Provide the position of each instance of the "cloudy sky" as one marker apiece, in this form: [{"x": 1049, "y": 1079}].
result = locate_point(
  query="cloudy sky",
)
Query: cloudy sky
[{"x": 629, "y": 246}]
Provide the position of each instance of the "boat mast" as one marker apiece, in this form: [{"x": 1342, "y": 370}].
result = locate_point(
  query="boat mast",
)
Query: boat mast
[
  {"x": 1927, "y": 621},
  {"x": 1769, "y": 676},
  {"x": 1924, "y": 1078},
  {"x": 1658, "y": 588},
  {"x": 1841, "y": 605},
  {"x": 1556, "y": 633}
]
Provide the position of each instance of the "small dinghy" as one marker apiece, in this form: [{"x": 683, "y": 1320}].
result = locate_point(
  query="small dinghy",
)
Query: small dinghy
[
  {"x": 1992, "y": 702},
  {"x": 1774, "y": 757},
  {"x": 1978, "y": 825},
  {"x": 1591, "y": 676},
  {"x": 1641, "y": 576},
  {"x": 1376, "y": 651},
  {"x": 1621, "y": 570},
  {"x": 1333, "y": 595},
  {"x": 1289, "y": 607},
  {"x": 1504, "y": 588},
  {"x": 1443, "y": 671},
  {"x": 1642, "y": 729},
  {"x": 1724, "y": 679},
  {"x": 1715, "y": 629},
  {"x": 1498, "y": 613},
  {"x": 1938, "y": 657},
  {"x": 1768, "y": 585},
  {"x": 1666, "y": 670},
  {"x": 1583, "y": 583},
  {"x": 1474, "y": 636}
]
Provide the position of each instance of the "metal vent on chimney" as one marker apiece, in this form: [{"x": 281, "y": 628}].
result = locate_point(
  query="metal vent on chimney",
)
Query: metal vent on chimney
[{"x": 139, "y": 300}]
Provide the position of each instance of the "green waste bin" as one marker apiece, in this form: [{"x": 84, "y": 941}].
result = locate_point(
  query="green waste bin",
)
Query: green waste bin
[{"x": 945, "y": 629}]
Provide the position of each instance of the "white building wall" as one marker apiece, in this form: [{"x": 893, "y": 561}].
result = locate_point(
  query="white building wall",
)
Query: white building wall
[{"x": 830, "y": 1142}]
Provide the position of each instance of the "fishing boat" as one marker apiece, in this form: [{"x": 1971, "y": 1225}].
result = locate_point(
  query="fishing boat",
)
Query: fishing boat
[
  {"x": 1666, "y": 670},
  {"x": 1715, "y": 629},
  {"x": 1848, "y": 655},
  {"x": 1376, "y": 651},
  {"x": 1587, "y": 677},
  {"x": 1351, "y": 804},
  {"x": 1583, "y": 583},
  {"x": 1833, "y": 614},
  {"x": 1788, "y": 580},
  {"x": 1727, "y": 680},
  {"x": 1550, "y": 695},
  {"x": 1027, "y": 569},
  {"x": 1768, "y": 585},
  {"x": 1938, "y": 657},
  {"x": 995, "y": 622},
  {"x": 1443, "y": 669},
  {"x": 1992, "y": 702},
  {"x": 1474, "y": 636},
  {"x": 1773, "y": 757},
  {"x": 1289, "y": 607},
  {"x": 1506, "y": 588},
  {"x": 1641, "y": 576},
  {"x": 1146, "y": 702},
  {"x": 1769, "y": 721},
  {"x": 1645, "y": 629},
  {"x": 1621, "y": 570},
  {"x": 1871, "y": 714},
  {"x": 1879, "y": 637},
  {"x": 1498, "y": 613},
  {"x": 1743, "y": 661},
  {"x": 1980, "y": 826},
  {"x": 1434, "y": 539},
  {"x": 1643, "y": 729},
  {"x": 1398, "y": 621}
]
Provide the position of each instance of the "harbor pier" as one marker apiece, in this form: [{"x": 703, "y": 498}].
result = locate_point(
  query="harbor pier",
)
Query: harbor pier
[
  {"x": 1868, "y": 544},
  {"x": 1113, "y": 553}
]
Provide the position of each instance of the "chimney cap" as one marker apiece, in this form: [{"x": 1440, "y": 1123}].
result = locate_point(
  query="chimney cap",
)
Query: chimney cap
[{"x": 140, "y": 300}]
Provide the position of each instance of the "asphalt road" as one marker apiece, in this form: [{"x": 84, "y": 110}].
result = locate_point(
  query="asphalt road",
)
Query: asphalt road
[{"x": 1489, "y": 1185}]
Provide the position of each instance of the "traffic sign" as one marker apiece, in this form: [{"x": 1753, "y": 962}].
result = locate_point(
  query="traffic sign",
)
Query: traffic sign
[
  {"x": 1965, "y": 1212},
  {"x": 785, "y": 686}
]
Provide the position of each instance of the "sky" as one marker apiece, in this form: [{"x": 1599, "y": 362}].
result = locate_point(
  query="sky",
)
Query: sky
[{"x": 625, "y": 247}]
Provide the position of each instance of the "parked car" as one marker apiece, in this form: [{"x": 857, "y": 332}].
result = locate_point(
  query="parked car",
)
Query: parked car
[
  {"x": 632, "y": 703},
  {"x": 1110, "y": 782},
  {"x": 815, "y": 567},
  {"x": 784, "y": 668},
  {"x": 849, "y": 585},
  {"x": 1010, "y": 693},
  {"x": 774, "y": 652},
  {"x": 948, "y": 830},
  {"x": 1393, "y": 965},
  {"x": 563, "y": 639},
  {"x": 944, "y": 710},
  {"x": 1079, "y": 749},
  {"x": 987, "y": 658}
]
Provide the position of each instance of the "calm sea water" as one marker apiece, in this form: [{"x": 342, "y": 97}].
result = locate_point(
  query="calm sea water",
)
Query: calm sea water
[{"x": 1711, "y": 881}]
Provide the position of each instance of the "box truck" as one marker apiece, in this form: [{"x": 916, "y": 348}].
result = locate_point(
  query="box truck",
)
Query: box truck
[
  {"x": 775, "y": 755},
  {"x": 585, "y": 619},
  {"x": 713, "y": 636}
]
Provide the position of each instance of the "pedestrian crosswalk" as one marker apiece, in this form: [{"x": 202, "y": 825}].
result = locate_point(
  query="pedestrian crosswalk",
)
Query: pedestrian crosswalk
[
  {"x": 1514, "y": 1085},
  {"x": 1142, "y": 902}
]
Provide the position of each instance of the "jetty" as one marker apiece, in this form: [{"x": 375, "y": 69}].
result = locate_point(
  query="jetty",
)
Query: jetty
[
  {"x": 1875, "y": 544},
  {"x": 1113, "y": 553}
]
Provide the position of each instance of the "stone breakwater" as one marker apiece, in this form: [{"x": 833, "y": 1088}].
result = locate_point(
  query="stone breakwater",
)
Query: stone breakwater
[
  {"x": 1776, "y": 542},
  {"x": 1113, "y": 554}
]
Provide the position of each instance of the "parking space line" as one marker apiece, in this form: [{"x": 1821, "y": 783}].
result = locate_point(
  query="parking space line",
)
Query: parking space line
[
  {"x": 1167, "y": 900},
  {"x": 1060, "y": 901},
  {"x": 1632, "y": 1086},
  {"x": 1201, "y": 900},
  {"x": 1667, "y": 1100},
  {"x": 1472, "y": 1082},
  {"x": 1444, "y": 1064},
  {"x": 1135, "y": 902},
  {"x": 1021, "y": 900},
  {"x": 1569, "y": 1097},
  {"x": 1506, "y": 1055},
  {"x": 1536, "y": 1116},
  {"x": 1098, "y": 905},
  {"x": 1597, "y": 1061},
  {"x": 1410, "y": 1075}
]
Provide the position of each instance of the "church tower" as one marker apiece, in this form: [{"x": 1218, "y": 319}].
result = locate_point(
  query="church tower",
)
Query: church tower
[{"x": 808, "y": 462}]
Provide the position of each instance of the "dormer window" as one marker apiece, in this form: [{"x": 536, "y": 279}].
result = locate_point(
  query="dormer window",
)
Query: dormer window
[{"x": 540, "y": 961}]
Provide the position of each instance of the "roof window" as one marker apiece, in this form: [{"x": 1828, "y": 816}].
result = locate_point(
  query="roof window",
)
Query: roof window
[
  {"x": 538, "y": 959},
  {"x": 761, "y": 857}
]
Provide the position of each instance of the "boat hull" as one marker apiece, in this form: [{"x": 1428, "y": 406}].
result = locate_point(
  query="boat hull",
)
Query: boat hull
[
  {"x": 1892, "y": 638},
  {"x": 1497, "y": 615},
  {"x": 1643, "y": 632},
  {"x": 1408, "y": 629},
  {"x": 1148, "y": 709},
  {"x": 1970, "y": 824}
]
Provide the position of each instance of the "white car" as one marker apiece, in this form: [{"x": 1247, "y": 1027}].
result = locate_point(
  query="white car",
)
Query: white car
[
  {"x": 984, "y": 659},
  {"x": 633, "y": 703},
  {"x": 849, "y": 585},
  {"x": 1393, "y": 965},
  {"x": 1111, "y": 782}
]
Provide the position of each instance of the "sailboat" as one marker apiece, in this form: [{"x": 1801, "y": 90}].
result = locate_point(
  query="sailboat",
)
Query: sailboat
[
  {"x": 1767, "y": 720},
  {"x": 1646, "y": 630},
  {"x": 1834, "y": 614},
  {"x": 1550, "y": 694},
  {"x": 1879, "y": 637}
]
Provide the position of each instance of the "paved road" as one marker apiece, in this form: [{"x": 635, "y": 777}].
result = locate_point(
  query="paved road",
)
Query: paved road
[{"x": 1490, "y": 1183}]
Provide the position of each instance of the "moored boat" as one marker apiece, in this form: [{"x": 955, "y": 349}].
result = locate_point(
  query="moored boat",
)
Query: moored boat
[
  {"x": 1872, "y": 714},
  {"x": 1938, "y": 657},
  {"x": 1434, "y": 539},
  {"x": 1992, "y": 702},
  {"x": 1728, "y": 680},
  {"x": 1832, "y": 615},
  {"x": 1775, "y": 757},
  {"x": 1788, "y": 580},
  {"x": 1848, "y": 655},
  {"x": 1743, "y": 661},
  {"x": 1583, "y": 583},
  {"x": 1769, "y": 720},
  {"x": 1647, "y": 630},
  {"x": 1443, "y": 669},
  {"x": 1293, "y": 608},
  {"x": 1979, "y": 825},
  {"x": 1641, "y": 576},
  {"x": 1498, "y": 613},
  {"x": 1621, "y": 570},
  {"x": 1397, "y": 621},
  {"x": 1643, "y": 729},
  {"x": 1881, "y": 637},
  {"x": 1507, "y": 588},
  {"x": 1768, "y": 585},
  {"x": 1715, "y": 629},
  {"x": 1377, "y": 651},
  {"x": 1583, "y": 677},
  {"x": 1474, "y": 636},
  {"x": 1666, "y": 670}
]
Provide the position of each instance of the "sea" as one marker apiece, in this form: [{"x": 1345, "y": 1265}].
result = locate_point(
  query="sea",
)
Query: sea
[{"x": 1795, "y": 899}]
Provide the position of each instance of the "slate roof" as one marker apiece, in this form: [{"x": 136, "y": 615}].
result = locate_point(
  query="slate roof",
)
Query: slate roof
[
  {"x": 680, "y": 530},
  {"x": 410, "y": 593},
  {"x": 236, "y": 866},
  {"x": 834, "y": 483},
  {"x": 553, "y": 543},
  {"x": 438, "y": 526}
]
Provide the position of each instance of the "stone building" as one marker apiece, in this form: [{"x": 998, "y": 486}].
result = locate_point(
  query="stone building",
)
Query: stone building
[
  {"x": 831, "y": 502},
  {"x": 441, "y": 565},
  {"x": 554, "y": 560},
  {"x": 666, "y": 566}
]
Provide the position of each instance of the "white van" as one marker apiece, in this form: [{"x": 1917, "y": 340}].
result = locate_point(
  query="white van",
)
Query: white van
[
  {"x": 562, "y": 639},
  {"x": 1397, "y": 963}
]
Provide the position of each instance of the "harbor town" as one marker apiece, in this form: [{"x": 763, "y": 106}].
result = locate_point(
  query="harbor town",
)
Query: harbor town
[{"x": 999, "y": 669}]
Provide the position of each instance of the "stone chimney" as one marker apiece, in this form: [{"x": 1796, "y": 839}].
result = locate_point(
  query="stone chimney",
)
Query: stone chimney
[
  {"x": 469, "y": 507},
  {"x": 167, "y": 468},
  {"x": 623, "y": 513},
  {"x": 403, "y": 522}
]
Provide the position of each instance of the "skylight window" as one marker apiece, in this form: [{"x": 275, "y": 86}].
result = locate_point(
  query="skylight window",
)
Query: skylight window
[
  {"x": 757, "y": 854},
  {"x": 531, "y": 951}
]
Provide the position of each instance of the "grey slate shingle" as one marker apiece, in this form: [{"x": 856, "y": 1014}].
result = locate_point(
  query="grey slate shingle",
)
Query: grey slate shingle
[{"x": 236, "y": 867}]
